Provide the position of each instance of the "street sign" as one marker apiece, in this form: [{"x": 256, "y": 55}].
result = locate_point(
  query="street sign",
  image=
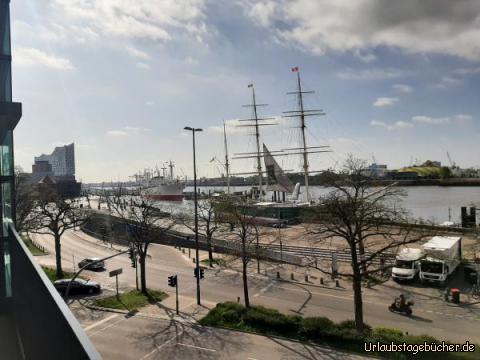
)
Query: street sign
[{"x": 116, "y": 272}]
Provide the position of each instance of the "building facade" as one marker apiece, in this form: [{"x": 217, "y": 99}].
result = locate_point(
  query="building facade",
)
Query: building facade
[{"x": 62, "y": 160}]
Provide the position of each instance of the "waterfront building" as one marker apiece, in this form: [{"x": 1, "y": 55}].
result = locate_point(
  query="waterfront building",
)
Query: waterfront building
[{"x": 62, "y": 160}]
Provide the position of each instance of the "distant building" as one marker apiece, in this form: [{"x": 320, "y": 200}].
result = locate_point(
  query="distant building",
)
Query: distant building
[
  {"x": 58, "y": 170},
  {"x": 62, "y": 160},
  {"x": 41, "y": 169},
  {"x": 375, "y": 171}
]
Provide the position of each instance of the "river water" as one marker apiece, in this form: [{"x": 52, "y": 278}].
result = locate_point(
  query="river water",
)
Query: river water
[{"x": 426, "y": 202}]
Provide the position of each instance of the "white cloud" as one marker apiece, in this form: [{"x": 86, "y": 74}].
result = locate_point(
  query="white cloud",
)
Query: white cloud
[
  {"x": 385, "y": 101},
  {"x": 372, "y": 74},
  {"x": 137, "y": 53},
  {"x": 467, "y": 71},
  {"x": 402, "y": 88},
  {"x": 424, "y": 120},
  {"x": 442, "y": 26},
  {"x": 126, "y": 131},
  {"x": 136, "y": 19},
  {"x": 395, "y": 126},
  {"x": 34, "y": 57},
  {"x": 149, "y": 103},
  {"x": 117, "y": 133},
  {"x": 421, "y": 119},
  {"x": 143, "y": 66}
]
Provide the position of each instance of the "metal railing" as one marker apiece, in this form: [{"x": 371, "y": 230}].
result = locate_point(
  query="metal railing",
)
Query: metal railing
[{"x": 45, "y": 326}]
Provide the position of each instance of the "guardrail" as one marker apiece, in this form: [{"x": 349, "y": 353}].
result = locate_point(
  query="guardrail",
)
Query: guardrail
[{"x": 45, "y": 326}]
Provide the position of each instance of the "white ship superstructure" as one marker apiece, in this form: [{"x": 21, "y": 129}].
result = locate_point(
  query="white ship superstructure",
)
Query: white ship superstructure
[{"x": 160, "y": 187}]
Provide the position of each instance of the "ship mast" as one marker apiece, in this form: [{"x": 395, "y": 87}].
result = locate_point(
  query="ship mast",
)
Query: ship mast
[
  {"x": 227, "y": 165},
  {"x": 301, "y": 113},
  {"x": 170, "y": 165},
  {"x": 256, "y": 122}
]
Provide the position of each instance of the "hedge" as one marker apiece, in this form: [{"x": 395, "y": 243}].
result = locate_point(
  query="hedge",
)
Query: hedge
[{"x": 321, "y": 330}]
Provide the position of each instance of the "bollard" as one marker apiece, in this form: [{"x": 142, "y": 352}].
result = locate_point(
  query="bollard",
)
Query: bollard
[
  {"x": 278, "y": 274},
  {"x": 183, "y": 251},
  {"x": 321, "y": 281},
  {"x": 291, "y": 276},
  {"x": 306, "y": 278},
  {"x": 337, "y": 283}
]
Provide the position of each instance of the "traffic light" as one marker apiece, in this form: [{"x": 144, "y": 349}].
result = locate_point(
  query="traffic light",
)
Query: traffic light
[
  {"x": 172, "y": 280},
  {"x": 201, "y": 273}
]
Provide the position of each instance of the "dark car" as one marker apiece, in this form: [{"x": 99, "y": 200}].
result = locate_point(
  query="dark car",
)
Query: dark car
[
  {"x": 279, "y": 225},
  {"x": 92, "y": 264},
  {"x": 79, "y": 286}
]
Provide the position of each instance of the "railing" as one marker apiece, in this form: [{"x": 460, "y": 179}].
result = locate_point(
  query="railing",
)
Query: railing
[{"x": 45, "y": 326}]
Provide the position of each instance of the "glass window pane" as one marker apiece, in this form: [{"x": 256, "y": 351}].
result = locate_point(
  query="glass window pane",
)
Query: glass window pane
[{"x": 6, "y": 155}]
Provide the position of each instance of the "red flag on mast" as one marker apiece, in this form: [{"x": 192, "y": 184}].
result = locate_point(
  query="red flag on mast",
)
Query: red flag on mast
[{"x": 295, "y": 69}]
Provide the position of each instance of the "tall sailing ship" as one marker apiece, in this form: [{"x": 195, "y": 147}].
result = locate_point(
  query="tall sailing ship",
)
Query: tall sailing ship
[{"x": 285, "y": 200}]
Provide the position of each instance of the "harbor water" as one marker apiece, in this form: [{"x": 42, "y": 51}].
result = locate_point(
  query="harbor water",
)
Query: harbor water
[{"x": 434, "y": 203}]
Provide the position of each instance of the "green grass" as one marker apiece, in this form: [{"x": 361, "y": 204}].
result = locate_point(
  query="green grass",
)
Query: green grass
[
  {"x": 131, "y": 300},
  {"x": 51, "y": 273},
  {"x": 33, "y": 249},
  {"x": 321, "y": 330}
]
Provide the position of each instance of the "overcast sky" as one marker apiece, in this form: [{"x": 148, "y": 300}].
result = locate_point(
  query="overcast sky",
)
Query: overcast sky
[{"x": 398, "y": 80}]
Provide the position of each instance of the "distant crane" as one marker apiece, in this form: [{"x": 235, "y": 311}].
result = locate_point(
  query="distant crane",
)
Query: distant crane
[{"x": 452, "y": 163}]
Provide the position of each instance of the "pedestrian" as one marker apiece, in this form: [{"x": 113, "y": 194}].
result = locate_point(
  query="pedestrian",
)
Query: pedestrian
[{"x": 238, "y": 299}]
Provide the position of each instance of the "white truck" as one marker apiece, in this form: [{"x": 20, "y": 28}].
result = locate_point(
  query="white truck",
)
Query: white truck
[
  {"x": 407, "y": 264},
  {"x": 443, "y": 255}
]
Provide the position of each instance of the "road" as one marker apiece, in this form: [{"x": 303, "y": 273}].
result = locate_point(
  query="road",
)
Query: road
[
  {"x": 431, "y": 316},
  {"x": 119, "y": 337}
]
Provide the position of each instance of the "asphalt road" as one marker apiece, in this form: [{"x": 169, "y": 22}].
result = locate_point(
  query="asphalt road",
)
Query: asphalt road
[
  {"x": 431, "y": 316},
  {"x": 118, "y": 337}
]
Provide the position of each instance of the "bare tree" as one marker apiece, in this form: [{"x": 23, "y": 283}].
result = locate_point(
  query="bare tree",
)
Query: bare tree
[
  {"x": 245, "y": 232},
  {"x": 53, "y": 215},
  {"x": 368, "y": 222},
  {"x": 24, "y": 200},
  {"x": 209, "y": 222},
  {"x": 145, "y": 222}
]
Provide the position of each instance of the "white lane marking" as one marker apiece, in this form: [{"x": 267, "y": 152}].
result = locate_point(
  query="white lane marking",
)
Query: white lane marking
[
  {"x": 159, "y": 347},
  {"x": 106, "y": 327},
  {"x": 197, "y": 347},
  {"x": 264, "y": 290},
  {"x": 251, "y": 358},
  {"x": 100, "y": 322}
]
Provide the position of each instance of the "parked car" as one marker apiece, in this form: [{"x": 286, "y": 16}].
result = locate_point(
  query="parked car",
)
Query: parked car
[
  {"x": 279, "y": 225},
  {"x": 91, "y": 265},
  {"x": 79, "y": 286}
]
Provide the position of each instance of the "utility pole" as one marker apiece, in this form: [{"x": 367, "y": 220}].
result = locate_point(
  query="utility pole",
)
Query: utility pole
[
  {"x": 227, "y": 165},
  {"x": 197, "y": 262}
]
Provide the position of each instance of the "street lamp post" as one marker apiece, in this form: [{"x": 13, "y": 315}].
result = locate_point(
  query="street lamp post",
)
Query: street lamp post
[{"x": 197, "y": 263}]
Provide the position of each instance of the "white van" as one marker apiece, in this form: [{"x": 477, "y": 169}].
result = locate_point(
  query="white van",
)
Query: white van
[{"x": 407, "y": 264}]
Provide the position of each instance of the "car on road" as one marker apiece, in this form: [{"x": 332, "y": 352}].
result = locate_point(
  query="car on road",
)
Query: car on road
[
  {"x": 92, "y": 264},
  {"x": 279, "y": 225},
  {"x": 79, "y": 286}
]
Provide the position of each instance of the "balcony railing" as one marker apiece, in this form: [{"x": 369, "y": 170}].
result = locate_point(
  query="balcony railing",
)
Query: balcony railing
[{"x": 40, "y": 320}]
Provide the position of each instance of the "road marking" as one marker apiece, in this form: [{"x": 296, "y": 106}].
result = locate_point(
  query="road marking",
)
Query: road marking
[
  {"x": 197, "y": 347},
  {"x": 106, "y": 327},
  {"x": 159, "y": 347},
  {"x": 251, "y": 358},
  {"x": 100, "y": 322},
  {"x": 264, "y": 290}
]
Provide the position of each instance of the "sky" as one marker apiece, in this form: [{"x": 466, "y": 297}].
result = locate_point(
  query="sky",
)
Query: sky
[{"x": 399, "y": 81}]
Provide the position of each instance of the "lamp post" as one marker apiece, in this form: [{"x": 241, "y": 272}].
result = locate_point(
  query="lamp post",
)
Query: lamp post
[{"x": 197, "y": 266}]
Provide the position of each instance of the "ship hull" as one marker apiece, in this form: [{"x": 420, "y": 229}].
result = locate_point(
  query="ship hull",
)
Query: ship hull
[{"x": 165, "y": 192}]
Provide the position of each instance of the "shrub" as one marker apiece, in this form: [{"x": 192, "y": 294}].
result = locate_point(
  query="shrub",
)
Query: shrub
[
  {"x": 271, "y": 321},
  {"x": 315, "y": 328},
  {"x": 386, "y": 336}
]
